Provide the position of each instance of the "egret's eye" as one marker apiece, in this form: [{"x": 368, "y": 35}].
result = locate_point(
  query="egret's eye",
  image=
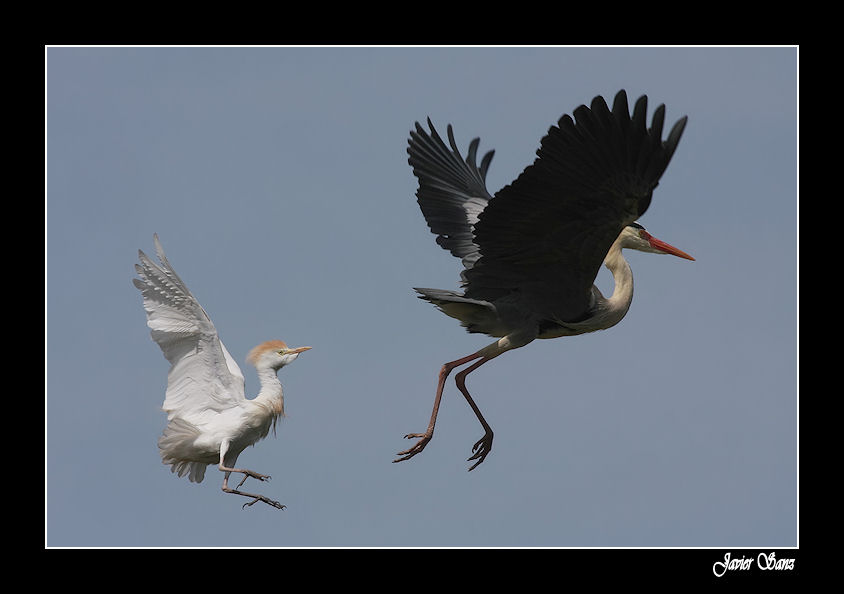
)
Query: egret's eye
[{"x": 282, "y": 351}]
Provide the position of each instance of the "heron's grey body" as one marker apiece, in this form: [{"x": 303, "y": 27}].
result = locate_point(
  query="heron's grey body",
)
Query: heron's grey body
[{"x": 532, "y": 251}]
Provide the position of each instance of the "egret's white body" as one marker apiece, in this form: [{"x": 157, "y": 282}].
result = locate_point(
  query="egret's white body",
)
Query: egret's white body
[{"x": 210, "y": 420}]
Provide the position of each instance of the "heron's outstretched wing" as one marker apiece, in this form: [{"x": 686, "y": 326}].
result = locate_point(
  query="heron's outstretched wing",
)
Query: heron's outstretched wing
[
  {"x": 204, "y": 378},
  {"x": 452, "y": 191},
  {"x": 546, "y": 234}
]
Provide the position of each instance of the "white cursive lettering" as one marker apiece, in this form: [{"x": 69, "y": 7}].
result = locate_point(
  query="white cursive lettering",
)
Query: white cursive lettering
[
  {"x": 766, "y": 562},
  {"x": 730, "y": 564}
]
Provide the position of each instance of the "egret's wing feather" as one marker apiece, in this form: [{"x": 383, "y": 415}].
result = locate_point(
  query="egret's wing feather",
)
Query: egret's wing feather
[
  {"x": 452, "y": 191},
  {"x": 203, "y": 377},
  {"x": 547, "y": 233}
]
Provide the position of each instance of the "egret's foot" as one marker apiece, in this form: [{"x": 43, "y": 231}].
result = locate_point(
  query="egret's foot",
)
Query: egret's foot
[
  {"x": 417, "y": 447},
  {"x": 266, "y": 500},
  {"x": 255, "y": 498},
  {"x": 253, "y": 474},
  {"x": 481, "y": 448}
]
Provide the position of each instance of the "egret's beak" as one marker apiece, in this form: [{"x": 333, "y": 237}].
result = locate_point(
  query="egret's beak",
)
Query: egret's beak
[
  {"x": 298, "y": 350},
  {"x": 667, "y": 248}
]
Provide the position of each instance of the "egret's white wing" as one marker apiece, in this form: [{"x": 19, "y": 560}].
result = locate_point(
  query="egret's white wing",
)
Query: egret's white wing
[{"x": 204, "y": 379}]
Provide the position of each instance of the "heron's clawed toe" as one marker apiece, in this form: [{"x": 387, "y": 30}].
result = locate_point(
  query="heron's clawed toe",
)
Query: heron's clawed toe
[
  {"x": 481, "y": 449},
  {"x": 416, "y": 448},
  {"x": 417, "y": 435}
]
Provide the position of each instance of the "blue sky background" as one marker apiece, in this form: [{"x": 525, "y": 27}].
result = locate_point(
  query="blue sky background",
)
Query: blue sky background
[{"x": 277, "y": 180}]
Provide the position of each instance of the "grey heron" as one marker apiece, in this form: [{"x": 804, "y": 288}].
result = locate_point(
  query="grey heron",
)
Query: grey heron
[
  {"x": 532, "y": 251},
  {"x": 210, "y": 420}
]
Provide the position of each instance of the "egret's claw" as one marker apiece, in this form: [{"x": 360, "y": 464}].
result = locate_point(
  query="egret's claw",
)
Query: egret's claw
[
  {"x": 253, "y": 474},
  {"x": 266, "y": 500}
]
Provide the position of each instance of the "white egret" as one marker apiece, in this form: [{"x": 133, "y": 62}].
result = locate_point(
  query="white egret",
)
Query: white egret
[{"x": 210, "y": 420}]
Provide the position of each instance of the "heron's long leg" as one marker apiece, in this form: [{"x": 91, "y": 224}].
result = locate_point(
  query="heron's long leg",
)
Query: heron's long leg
[
  {"x": 255, "y": 497},
  {"x": 429, "y": 433},
  {"x": 483, "y": 446}
]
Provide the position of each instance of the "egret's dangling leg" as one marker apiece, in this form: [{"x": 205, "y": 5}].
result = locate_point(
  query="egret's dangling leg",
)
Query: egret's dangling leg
[
  {"x": 255, "y": 497},
  {"x": 224, "y": 447}
]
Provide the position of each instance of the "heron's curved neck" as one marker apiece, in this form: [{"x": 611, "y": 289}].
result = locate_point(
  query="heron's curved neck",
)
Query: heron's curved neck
[
  {"x": 622, "y": 294},
  {"x": 271, "y": 393}
]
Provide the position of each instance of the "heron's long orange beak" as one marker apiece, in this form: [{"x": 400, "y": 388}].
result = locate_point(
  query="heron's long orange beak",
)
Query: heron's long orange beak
[
  {"x": 667, "y": 248},
  {"x": 298, "y": 350}
]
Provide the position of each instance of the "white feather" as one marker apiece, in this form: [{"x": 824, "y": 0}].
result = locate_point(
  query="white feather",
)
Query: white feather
[
  {"x": 203, "y": 375},
  {"x": 210, "y": 421}
]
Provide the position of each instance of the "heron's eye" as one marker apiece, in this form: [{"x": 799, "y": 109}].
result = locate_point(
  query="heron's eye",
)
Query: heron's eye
[{"x": 282, "y": 351}]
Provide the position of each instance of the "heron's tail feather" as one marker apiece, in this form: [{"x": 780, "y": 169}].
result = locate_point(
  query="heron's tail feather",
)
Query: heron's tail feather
[
  {"x": 176, "y": 446},
  {"x": 474, "y": 315}
]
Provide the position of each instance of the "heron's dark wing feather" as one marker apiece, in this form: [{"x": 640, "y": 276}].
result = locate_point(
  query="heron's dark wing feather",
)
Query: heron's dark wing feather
[
  {"x": 546, "y": 234},
  {"x": 452, "y": 191}
]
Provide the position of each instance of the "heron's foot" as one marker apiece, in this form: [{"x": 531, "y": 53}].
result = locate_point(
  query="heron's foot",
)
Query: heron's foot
[
  {"x": 266, "y": 500},
  {"x": 424, "y": 438},
  {"x": 481, "y": 448},
  {"x": 253, "y": 474}
]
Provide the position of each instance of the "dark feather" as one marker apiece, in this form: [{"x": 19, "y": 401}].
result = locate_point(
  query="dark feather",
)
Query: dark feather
[
  {"x": 452, "y": 191},
  {"x": 546, "y": 234}
]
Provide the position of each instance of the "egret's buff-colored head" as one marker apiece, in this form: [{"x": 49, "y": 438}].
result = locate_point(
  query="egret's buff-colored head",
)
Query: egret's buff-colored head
[{"x": 274, "y": 354}]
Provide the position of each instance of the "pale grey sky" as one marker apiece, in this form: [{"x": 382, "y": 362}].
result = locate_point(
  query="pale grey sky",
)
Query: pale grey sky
[{"x": 277, "y": 180}]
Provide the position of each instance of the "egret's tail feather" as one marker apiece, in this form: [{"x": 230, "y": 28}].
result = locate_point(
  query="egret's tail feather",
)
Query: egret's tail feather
[{"x": 175, "y": 445}]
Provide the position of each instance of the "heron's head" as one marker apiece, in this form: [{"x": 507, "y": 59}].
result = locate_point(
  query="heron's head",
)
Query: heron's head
[
  {"x": 634, "y": 237},
  {"x": 274, "y": 354}
]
